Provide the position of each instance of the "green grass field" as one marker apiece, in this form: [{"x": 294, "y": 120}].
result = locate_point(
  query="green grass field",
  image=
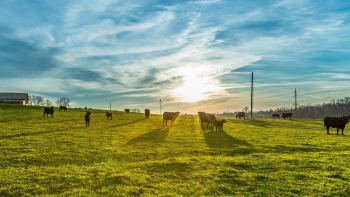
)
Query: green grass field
[{"x": 134, "y": 156}]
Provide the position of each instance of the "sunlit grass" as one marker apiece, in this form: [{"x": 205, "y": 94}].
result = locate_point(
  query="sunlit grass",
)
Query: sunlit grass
[{"x": 134, "y": 156}]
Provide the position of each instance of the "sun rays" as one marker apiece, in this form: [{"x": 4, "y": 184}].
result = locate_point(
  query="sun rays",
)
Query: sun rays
[{"x": 195, "y": 89}]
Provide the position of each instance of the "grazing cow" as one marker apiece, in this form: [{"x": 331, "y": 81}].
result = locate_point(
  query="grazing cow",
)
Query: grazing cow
[
  {"x": 47, "y": 111},
  {"x": 170, "y": 116},
  {"x": 218, "y": 124},
  {"x": 87, "y": 118},
  {"x": 275, "y": 116},
  {"x": 109, "y": 115},
  {"x": 336, "y": 122},
  {"x": 199, "y": 115},
  {"x": 127, "y": 110},
  {"x": 147, "y": 112},
  {"x": 287, "y": 115},
  {"x": 240, "y": 115},
  {"x": 63, "y": 107},
  {"x": 206, "y": 117}
]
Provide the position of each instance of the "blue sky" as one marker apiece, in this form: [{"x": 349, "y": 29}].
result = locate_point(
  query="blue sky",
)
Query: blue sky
[{"x": 194, "y": 55}]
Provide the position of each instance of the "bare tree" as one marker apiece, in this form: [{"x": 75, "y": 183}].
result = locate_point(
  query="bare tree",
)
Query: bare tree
[
  {"x": 335, "y": 107},
  {"x": 245, "y": 109},
  {"x": 63, "y": 102},
  {"x": 36, "y": 100},
  {"x": 39, "y": 100},
  {"x": 48, "y": 103},
  {"x": 30, "y": 101},
  {"x": 59, "y": 102}
]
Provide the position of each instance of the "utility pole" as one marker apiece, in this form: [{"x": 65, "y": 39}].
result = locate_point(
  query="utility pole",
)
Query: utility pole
[
  {"x": 251, "y": 100},
  {"x": 110, "y": 106},
  {"x": 160, "y": 106},
  {"x": 295, "y": 101}
]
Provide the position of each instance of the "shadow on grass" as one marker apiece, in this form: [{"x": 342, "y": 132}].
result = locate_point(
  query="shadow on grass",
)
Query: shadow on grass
[
  {"x": 303, "y": 148},
  {"x": 19, "y": 119},
  {"x": 27, "y": 134},
  {"x": 259, "y": 123},
  {"x": 156, "y": 136},
  {"x": 135, "y": 121},
  {"x": 222, "y": 140},
  {"x": 165, "y": 168}
]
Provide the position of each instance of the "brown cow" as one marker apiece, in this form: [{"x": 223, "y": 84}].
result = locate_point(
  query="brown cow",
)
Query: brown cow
[
  {"x": 206, "y": 117},
  {"x": 287, "y": 115},
  {"x": 240, "y": 115},
  {"x": 147, "y": 112},
  {"x": 218, "y": 124},
  {"x": 170, "y": 116},
  {"x": 109, "y": 115},
  {"x": 127, "y": 110},
  {"x": 199, "y": 115},
  {"x": 336, "y": 122},
  {"x": 275, "y": 116},
  {"x": 87, "y": 118}
]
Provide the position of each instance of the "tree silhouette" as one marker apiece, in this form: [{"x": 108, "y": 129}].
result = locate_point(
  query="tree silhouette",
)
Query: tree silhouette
[{"x": 63, "y": 102}]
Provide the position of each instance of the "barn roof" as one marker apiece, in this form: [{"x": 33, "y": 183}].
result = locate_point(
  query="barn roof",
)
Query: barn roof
[{"x": 13, "y": 96}]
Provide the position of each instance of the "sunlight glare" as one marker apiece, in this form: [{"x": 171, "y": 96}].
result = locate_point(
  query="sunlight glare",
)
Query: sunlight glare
[{"x": 195, "y": 90}]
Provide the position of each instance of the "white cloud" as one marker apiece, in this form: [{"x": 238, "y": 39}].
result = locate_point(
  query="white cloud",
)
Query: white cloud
[
  {"x": 32, "y": 85},
  {"x": 192, "y": 43},
  {"x": 88, "y": 40},
  {"x": 341, "y": 76}
]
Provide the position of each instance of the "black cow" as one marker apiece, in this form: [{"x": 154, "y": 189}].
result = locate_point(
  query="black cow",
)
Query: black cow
[
  {"x": 287, "y": 115},
  {"x": 218, "y": 124},
  {"x": 63, "y": 107},
  {"x": 275, "y": 116},
  {"x": 127, "y": 110},
  {"x": 147, "y": 112},
  {"x": 206, "y": 117},
  {"x": 47, "y": 111},
  {"x": 336, "y": 122},
  {"x": 109, "y": 115},
  {"x": 170, "y": 116},
  {"x": 240, "y": 115},
  {"x": 87, "y": 118}
]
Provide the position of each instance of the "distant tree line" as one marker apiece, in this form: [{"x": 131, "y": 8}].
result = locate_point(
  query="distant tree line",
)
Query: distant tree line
[
  {"x": 136, "y": 110},
  {"x": 333, "y": 108},
  {"x": 337, "y": 107},
  {"x": 40, "y": 101}
]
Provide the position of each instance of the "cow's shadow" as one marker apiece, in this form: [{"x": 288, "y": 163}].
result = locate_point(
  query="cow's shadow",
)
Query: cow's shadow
[
  {"x": 156, "y": 136},
  {"x": 128, "y": 123},
  {"x": 205, "y": 128},
  {"x": 258, "y": 123},
  {"x": 29, "y": 134},
  {"x": 220, "y": 139}
]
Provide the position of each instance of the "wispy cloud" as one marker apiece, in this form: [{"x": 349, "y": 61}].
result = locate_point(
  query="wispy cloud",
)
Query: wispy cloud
[{"x": 203, "y": 51}]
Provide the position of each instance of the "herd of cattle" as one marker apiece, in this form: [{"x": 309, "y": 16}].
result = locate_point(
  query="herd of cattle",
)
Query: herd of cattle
[
  {"x": 211, "y": 119},
  {"x": 329, "y": 122},
  {"x": 283, "y": 115}
]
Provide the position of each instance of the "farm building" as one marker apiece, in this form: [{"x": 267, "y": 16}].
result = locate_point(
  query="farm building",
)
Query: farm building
[{"x": 14, "y": 98}]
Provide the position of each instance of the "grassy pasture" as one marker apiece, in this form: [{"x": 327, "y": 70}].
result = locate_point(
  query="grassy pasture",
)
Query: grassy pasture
[{"x": 134, "y": 156}]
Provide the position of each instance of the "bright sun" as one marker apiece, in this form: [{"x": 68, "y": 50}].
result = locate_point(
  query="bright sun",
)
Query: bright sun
[{"x": 194, "y": 90}]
